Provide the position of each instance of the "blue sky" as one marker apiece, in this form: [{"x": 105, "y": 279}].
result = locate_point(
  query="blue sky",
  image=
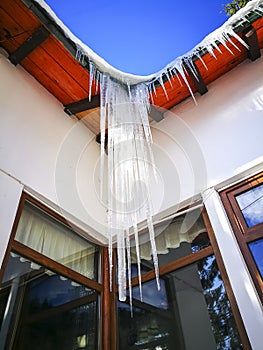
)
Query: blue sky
[{"x": 140, "y": 36}]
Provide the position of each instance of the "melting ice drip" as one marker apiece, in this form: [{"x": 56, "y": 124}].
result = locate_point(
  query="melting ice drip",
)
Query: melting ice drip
[{"x": 125, "y": 108}]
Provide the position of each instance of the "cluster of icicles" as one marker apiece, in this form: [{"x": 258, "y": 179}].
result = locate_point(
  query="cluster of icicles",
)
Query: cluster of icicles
[
  {"x": 124, "y": 118},
  {"x": 128, "y": 167}
]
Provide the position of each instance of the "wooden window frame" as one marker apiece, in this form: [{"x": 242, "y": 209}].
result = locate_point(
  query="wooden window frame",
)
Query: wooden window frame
[
  {"x": 191, "y": 258},
  {"x": 107, "y": 300},
  {"x": 31, "y": 254},
  {"x": 243, "y": 233}
]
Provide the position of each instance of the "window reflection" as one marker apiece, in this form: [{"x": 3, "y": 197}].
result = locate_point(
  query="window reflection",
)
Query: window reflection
[
  {"x": 256, "y": 249},
  {"x": 251, "y": 205},
  {"x": 46, "y": 310},
  {"x": 151, "y": 295},
  {"x": 198, "y": 313}
]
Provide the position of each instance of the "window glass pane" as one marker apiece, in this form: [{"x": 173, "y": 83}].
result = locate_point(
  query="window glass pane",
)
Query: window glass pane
[
  {"x": 48, "y": 236},
  {"x": 256, "y": 249},
  {"x": 3, "y": 302},
  {"x": 251, "y": 205},
  {"x": 183, "y": 235},
  {"x": 197, "y": 316},
  {"x": 45, "y": 310},
  {"x": 150, "y": 296}
]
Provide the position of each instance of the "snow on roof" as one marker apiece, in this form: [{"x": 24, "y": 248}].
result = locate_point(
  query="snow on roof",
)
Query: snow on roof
[{"x": 221, "y": 35}]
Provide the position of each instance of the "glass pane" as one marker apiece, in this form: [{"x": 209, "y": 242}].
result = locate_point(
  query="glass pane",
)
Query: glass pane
[
  {"x": 3, "y": 302},
  {"x": 150, "y": 296},
  {"x": 251, "y": 205},
  {"x": 183, "y": 235},
  {"x": 48, "y": 236},
  {"x": 197, "y": 314},
  {"x": 45, "y": 310},
  {"x": 256, "y": 249}
]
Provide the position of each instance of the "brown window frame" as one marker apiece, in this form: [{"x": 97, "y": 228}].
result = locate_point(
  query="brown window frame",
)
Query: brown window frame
[
  {"x": 33, "y": 255},
  {"x": 213, "y": 249},
  {"x": 108, "y": 321},
  {"x": 243, "y": 233}
]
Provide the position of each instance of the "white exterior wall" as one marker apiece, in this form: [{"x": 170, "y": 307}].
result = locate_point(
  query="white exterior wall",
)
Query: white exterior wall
[
  {"x": 212, "y": 141},
  {"x": 196, "y": 147},
  {"x": 10, "y": 192},
  {"x": 46, "y": 150}
]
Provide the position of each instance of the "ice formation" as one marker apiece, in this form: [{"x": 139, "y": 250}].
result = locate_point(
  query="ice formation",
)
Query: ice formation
[
  {"x": 129, "y": 157},
  {"x": 124, "y": 116}
]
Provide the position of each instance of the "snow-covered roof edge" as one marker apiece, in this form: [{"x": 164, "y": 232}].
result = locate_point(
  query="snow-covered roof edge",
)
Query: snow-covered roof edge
[{"x": 209, "y": 43}]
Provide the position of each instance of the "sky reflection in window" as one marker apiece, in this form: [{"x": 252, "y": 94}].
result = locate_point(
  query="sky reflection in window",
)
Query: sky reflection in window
[{"x": 251, "y": 205}]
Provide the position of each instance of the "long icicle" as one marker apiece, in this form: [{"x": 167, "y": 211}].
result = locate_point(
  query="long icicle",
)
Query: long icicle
[{"x": 129, "y": 158}]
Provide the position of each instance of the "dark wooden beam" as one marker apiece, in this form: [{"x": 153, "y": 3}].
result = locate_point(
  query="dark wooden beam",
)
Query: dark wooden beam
[
  {"x": 36, "y": 39},
  {"x": 85, "y": 104},
  {"x": 196, "y": 77},
  {"x": 251, "y": 39},
  {"x": 155, "y": 113}
]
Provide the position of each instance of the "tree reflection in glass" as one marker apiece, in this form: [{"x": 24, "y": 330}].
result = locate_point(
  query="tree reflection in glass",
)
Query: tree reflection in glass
[{"x": 195, "y": 315}]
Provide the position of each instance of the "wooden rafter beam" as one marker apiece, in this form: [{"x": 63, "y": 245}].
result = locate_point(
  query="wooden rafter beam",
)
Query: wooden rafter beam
[
  {"x": 94, "y": 102},
  {"x": 155, "y": 113},
  {"x": 83, "y": 105},
  {"x": 196, "y": 76},
  {"x": 31, "y": 43},
  {"x": 251, "y": 39}
]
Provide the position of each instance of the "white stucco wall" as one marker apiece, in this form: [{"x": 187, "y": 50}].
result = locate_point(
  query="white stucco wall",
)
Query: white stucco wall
[
  {"x": 10, "y": 192},
  {"x": 43, "y": 148},
  {"x": 210, "y": 142}
]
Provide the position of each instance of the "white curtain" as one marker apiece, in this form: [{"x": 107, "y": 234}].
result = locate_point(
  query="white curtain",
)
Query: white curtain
[
  {"x": 184, "y": 228},
  {"x": 56, "y": 241}
]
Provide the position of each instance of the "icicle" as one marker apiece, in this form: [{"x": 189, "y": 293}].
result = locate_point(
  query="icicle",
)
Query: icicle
[
  {"x": 160, "y": 79},
  {"x": 129, "y": 90},
  {"x": 154, "y": 250},
  {"x": 91, "y": 77},
  {"x": 154, "y": 88},
  {"x": 192, "y": 68},
  {"x": 137, "y": 247},
  {"x": 223, "y": 41},
  {"x": 234, "y": 34},
  {"x": 80, "y": 56},
  {"x": 98, "y": 78},
  {"x": 177, "y": 76},
  {"x": 201, "y": 59},
  {"x": 103, "y": 93},
  {"x": 180, "y": 69},
  {"x": 78, "y": 53},
  {"x": 110, "y": 204},
  {"x": 169, "y": 77},
  {"x": 129, "y": 158},
  {"x": 150, "y": 89},
  {"x": 129, "y": 267},
  {"x": 121, "y": 265}
]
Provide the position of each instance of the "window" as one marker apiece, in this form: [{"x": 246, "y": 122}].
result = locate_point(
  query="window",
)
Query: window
[
  {"x": 244, "y": 206},
  {"x": 53, "y": 295},
  {"x": 48, "y": 236},
  {"x": 49, "y": 292},
  {"x": 192, "y": 310}
]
